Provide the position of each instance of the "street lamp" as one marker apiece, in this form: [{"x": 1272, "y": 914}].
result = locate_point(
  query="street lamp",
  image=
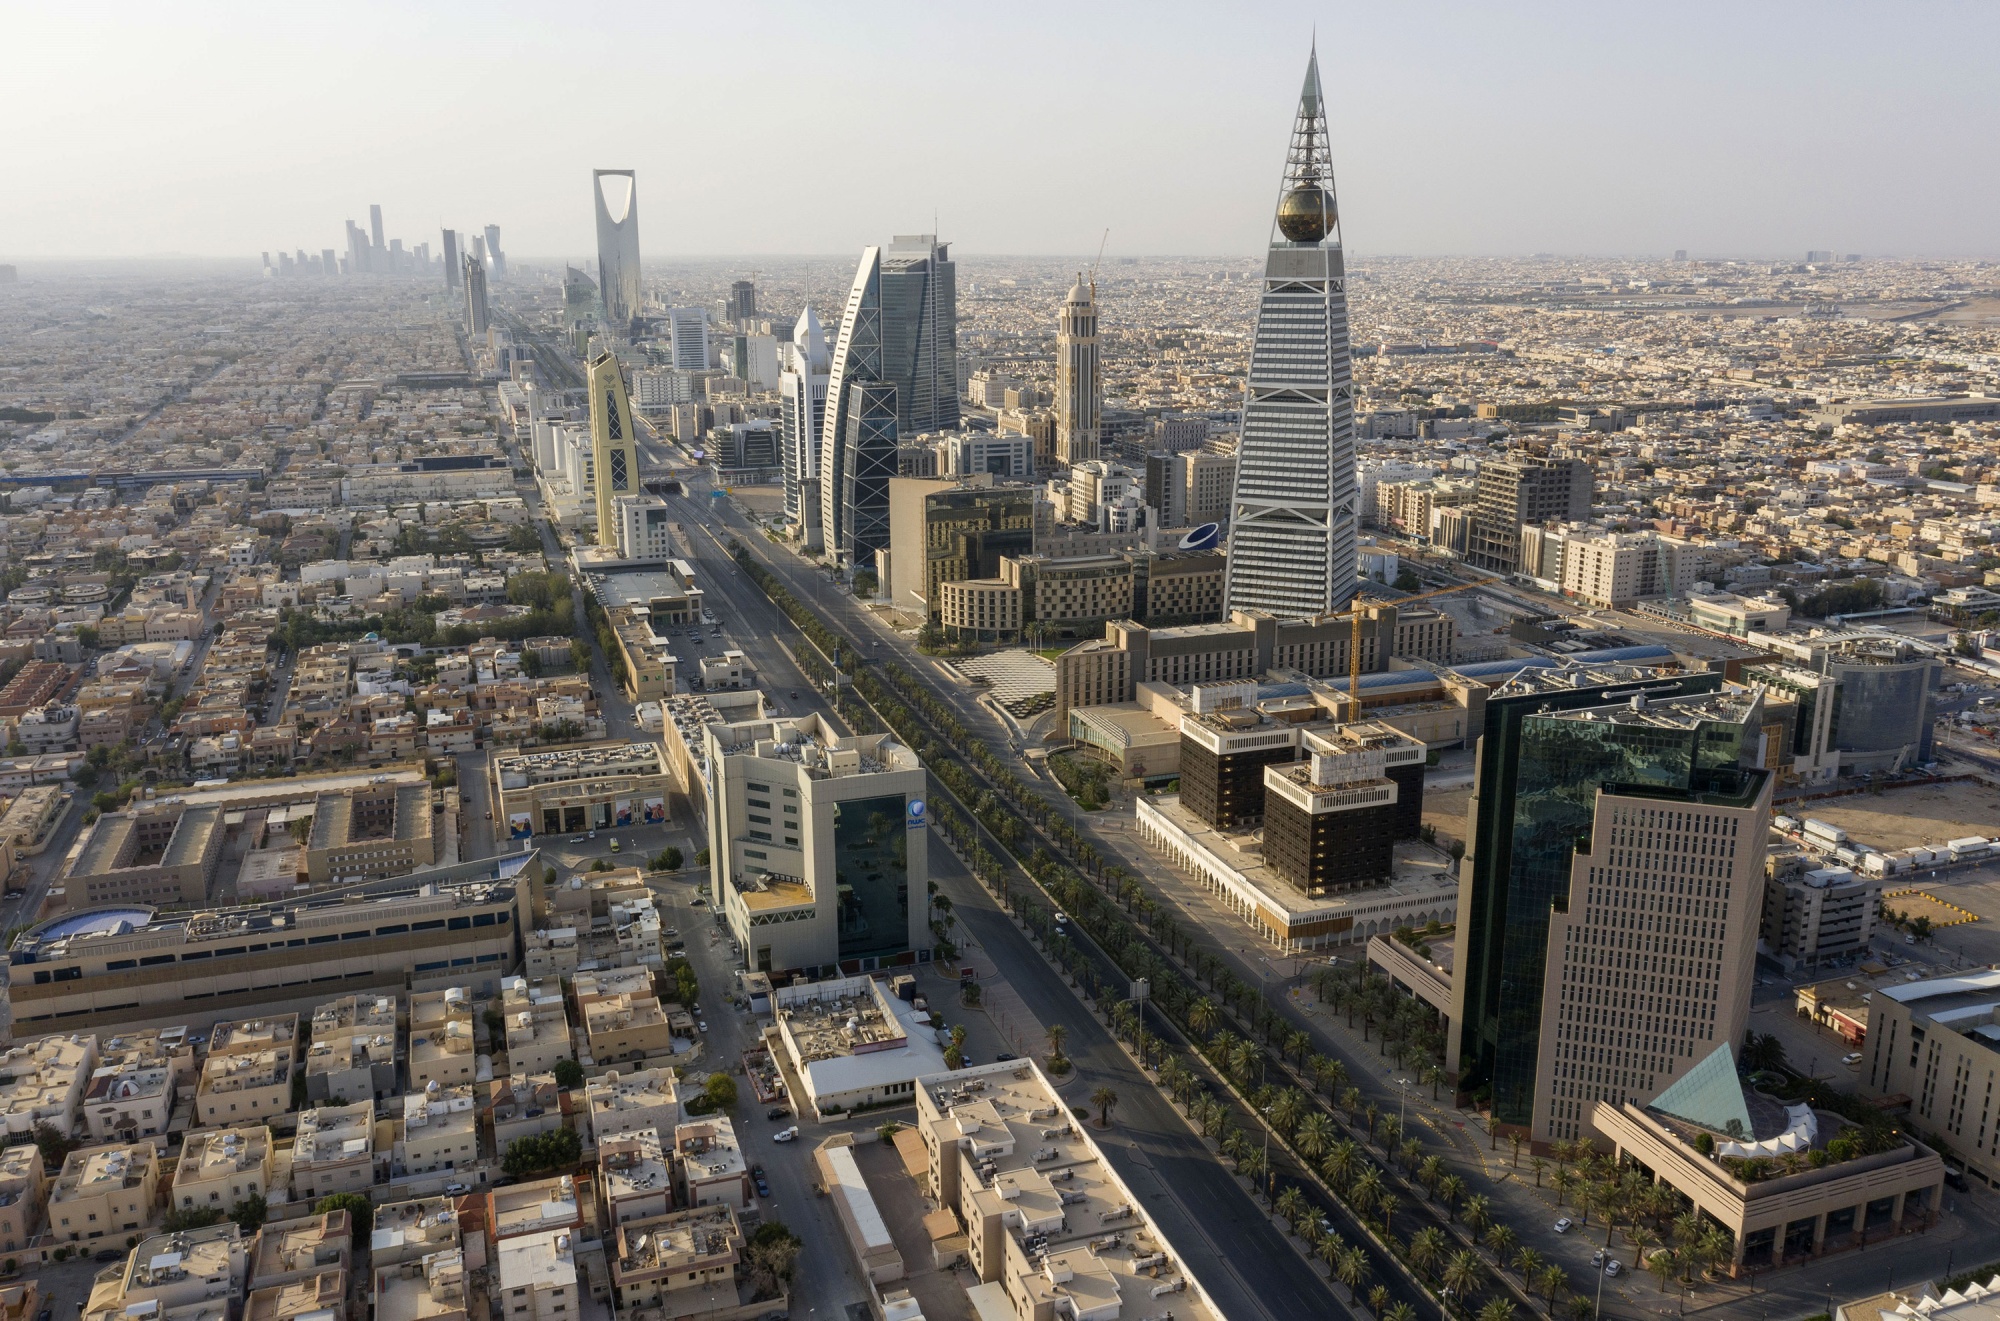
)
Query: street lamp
[{"x": 1402, "y": 1102}]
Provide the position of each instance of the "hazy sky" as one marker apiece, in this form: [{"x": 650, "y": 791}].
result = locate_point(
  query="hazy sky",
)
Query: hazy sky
[{"x": 1740, "y": 128}]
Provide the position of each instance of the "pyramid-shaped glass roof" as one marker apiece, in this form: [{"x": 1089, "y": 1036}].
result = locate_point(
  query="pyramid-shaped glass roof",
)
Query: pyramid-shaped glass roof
[{"x": 1709, "y": 1095}]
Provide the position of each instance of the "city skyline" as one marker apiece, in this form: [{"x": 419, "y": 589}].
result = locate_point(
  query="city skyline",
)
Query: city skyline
[{"x": 1474, "y": 133}]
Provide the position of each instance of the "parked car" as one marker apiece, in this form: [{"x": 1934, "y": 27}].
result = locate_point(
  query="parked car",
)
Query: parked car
[
  {"x": 763, "y": 1189},
  {"x": 457, "y": 1189},
  {"x": 1851, "y": 1058},
  {"x": 701, "y": 1027},
  {"x": 777, "y": 1112},
  {"x": 1003, "y": 1057},
  {"x": 1564, "y": 1225},
  {"x": 1613, "y": 1268},
  {"x": 785, "y": 1134}
]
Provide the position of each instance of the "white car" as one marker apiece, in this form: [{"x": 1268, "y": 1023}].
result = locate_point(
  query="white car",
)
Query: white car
[
  {"x": 1851, "y": 1058},
  {"x": 1564, "y": 1225},
  {"x": 785, "y": 1134},
  {"x": 1613, "y": 1268}
]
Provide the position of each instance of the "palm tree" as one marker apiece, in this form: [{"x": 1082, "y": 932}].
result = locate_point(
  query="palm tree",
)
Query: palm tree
[
  {"x": 1433, "y": 1077},
  {"x": 1553, "y": 1280},
  {"x": 1581, "y": 1308},
  {"x": 1497, "y": 1309},
  {"x": 1378, "y": 1299},
  {"x": 1478, "y": 1212},
  {"x": 1367, "y": 1189},
  {"x": 1430, "y": 1173},
  {"x": 1176, "y": 1077},
  {"x": 1329, "y": 1073},
  {"x": 1427, "y": 1249},
  {"x": 1057, "y": 1035},
  {"x": 1400, "y": 1312},
  {"x": 1291, "y": 1204},
  {"x": 1329, "y": 1251},
  {"x": 1662, "y": 1265},
  {"x": 1515, "y": 1142},
  {"x": 1640, "y": 1238},
  {"x": 1251, "y": 1165},
  {"x": 1350, "y": 1102},
  {"x": 1561, "y": 1181},
  {"x": 1386, "y": 1206},
  {"x": 1352, "y": 1269},
  {"x": 1412, "y": 1152},
  {"x": 1245, "y": 1062},
  {"x": 1540, "y": 1167},
  {"x": 1104, "y": 1099},
  {"x": 1341, "y": 1159},
  {"x": 1500, "y": 1241},
  {"x": 1451, "y": 1188},
  {"x": 1313, "y": 1136},
  {"x": 1288, "y": 1109},
  {"x": 1527, "y": 1261},
  {"x": 1464, "y": 1273}
]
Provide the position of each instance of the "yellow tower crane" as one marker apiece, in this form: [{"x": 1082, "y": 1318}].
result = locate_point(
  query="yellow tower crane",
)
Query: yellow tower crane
[{"x": 1354, "y": 638}]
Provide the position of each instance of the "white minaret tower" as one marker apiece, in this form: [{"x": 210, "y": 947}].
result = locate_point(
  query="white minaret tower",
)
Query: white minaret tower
[{"x": 1293, "y": 515}]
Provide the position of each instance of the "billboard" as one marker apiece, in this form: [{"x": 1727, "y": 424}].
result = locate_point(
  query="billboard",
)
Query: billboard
[
  {"x": 622, "y": 812},
  {"x": 915, "y": 817},
  {"x": 655, "y": 810},
  {"x": 519, "y": 825}
]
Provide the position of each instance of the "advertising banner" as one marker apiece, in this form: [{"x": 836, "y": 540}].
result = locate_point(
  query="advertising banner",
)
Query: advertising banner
[
  {"x": 916, "y": 817},
  {"x": 519, "y": 825},
  {"x": 622, "y": 815},
  {"x": 655, "y": 811}
]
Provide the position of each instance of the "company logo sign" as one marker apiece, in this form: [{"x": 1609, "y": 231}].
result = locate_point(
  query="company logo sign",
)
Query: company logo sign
[{"x": 916, "y": 821}]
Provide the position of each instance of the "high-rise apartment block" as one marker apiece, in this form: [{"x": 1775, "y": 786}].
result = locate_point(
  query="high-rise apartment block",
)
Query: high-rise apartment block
[
  {"x": 1611, "y": 892},
  {"x": 742, "y": 303},
  {"x": 617, "y": 196},
  {"x": 450, "y": 243},
  {"x": 687, "y": 331},
  {"x": 1294, "y": 514},
  {"x": 496, "y": 260},
  {"x": 802, "y": 410},
  {"x": 818, "y": 844},
  {"x": 614, "y": 445},
  {"x": 1079, "y": 388},
  {"x": 476, "y": 312},
  {"x": 1529, "y": 489}
]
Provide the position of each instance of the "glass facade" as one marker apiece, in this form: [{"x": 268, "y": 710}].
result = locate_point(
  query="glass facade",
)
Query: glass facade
[
  {"x": 1536, "y": 792},
  {"x": 1883, "y": 708},
  {"x": 871, "y": 869}
]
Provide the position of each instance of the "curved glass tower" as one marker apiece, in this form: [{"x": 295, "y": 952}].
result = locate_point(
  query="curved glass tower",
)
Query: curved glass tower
[
  {"x": 617, "y": 195},
  {"x": 1293, "y": 514}
]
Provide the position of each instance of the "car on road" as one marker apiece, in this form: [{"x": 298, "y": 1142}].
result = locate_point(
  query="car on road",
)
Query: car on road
[
  {"x": 614, "y": 846},
  {"x": 1003, "y": 1057},
  {"x": 1613, "y": 1268},
  {"x": 1851, "y": 1059},
  {"x": 457, "y": 1189},
  {"x": 1597, "y": 1257},
  {"x": 763, "y": 1189},
  {"x": 777, "y": 1112},
  {"x": 702, "y": 1028},
  {"x": 785, "y": 1134},
  {"x": 795, "y": 695},
  {"x": 1564, "y": 1225}
]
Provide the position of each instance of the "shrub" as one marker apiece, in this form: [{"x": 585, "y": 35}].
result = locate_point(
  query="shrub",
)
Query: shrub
[{"x": 568, "y": 1074}]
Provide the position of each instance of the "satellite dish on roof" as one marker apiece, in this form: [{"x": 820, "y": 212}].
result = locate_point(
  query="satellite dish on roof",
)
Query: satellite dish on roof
[{"x": 1204, "y": 537}]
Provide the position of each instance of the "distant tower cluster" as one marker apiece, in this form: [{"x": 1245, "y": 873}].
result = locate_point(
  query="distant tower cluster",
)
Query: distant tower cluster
[
  {"x": 1079, "y": 392},
  {"x": 617, "y": 196},
  {"x": 1292, "y": 550}
]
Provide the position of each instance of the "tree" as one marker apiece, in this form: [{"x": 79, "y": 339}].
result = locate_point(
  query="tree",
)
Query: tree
[
  {"x": 671, "y": 856},
  {"x": 1464, "y": 1273},
  {"x": 1291, "y": 1204},
  {"x": 771, "y": 1254},
  {"x": 1553, "y": 1279},
  {"x": 1058, "y": 1062},
  {"x": 1497, "y": 1309},
  {"x": 360, "y": 1212},
  {"x": 55, "y": 1144},
  {"x": 720, "y": 1089},
  {"x": 569, "y": 1074},
  {"x": 199, "y": 1217},
  {"x": 1352, "y": 1269},
  {"x": 1427, "y": 1249},
  {"x": 543, "y": 1151},
  {"x": 1314, "y": 1135},
  {"x": 1203, "y": 1015},
  {"x": 250, "y": 1212},
  {"x": 1105, "y": 1100}
]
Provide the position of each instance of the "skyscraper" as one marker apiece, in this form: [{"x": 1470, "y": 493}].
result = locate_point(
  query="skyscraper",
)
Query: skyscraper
[
  {"x": 900, "y": 330},
  {"x": 802, "y": 390},
  {"x": 1079, "y": 396},
  {"x": 742, "y": 302},
  {"x": 617, "y": 194},
  {"x": 496, "y": 260},
  {"x": 1294, "y": 514},
  {"x": 687, "y": 332},
  {"x": 375, "y": 225},
  {"x": 1610, "y": 895},
  {"x": 614, "y": 445},
  {"x": 450, "y": 259},
  {"x": 475, "y": 297},
  {"x": 328, "y": 263}
]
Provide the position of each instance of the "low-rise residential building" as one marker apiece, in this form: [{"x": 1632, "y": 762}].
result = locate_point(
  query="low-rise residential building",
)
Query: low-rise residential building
[
  {"x": 441, "y": 1038},
  {"x": 111, "y": 1190},
  {"x": 295, "y": 1249},
  {"x": 537, "y": 1024},
  {"x": 189, "y": 1275},
  {"x": 523, "y": 1105},
  {"x": 43, "y": 1082},
  {"x": 320, "y": 1296},
  {"x": 712, "y": 1168},
  {"x": 537, "y": 1277},
  {"x": 133, "y": 1089},
  {"x": 238, "y": 1088},
  {"x": 20, "y": 1195},
  {"x": 853, "y": 1044},
  {"x": 532, "y": 1207},
  {"x": 678, "y": 1263},
  {"x": 439, "y": 1130},
  {"x": 626, "y": 1101},
  {"x": 335, "y": 1151},
  {"x": 636, "y": 1177},
  {"x": 353, "y": 1052},
  {"x": 429, "y": 1288},
  {"x": 412, "y": 1231},
  {"x": 220, "y": 1167},
  {"x": 626, "y": 1027}
]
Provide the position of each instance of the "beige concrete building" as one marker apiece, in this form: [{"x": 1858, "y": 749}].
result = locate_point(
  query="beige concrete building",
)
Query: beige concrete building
[
  {"x": 626, "y": 1027},
  {"x": 413, "y": 1231},
  {"x": 194, "y": 1275},
  {"x": 337, "y": 1150},
  {"x": 294, "y": 1249},
  {"x": 537, "y": 1277},
  {"x": 43, "y": 1081},
  {"x": 220, "y": 1167},
  {"x": 533, "y": 1207},
  {"x": 105, "y": 1191},
  {"x": 1003, "y": 1153},
  {"x": 867, "y": 1233},
  {"x": 1933, "y": 1052},
  {"x": 238, "y": 1088},
  {"x": 20, "y": 1195},
  {"x": 320, "y": 1296},
  {"x": 441, "y": 1038},
  {"x": 523, "y": 1105},
  {"x": 678, "y": 1263},
  {"x": 578, "y": 787},
  {"x": 133, "y": 1089},
  {"x": 624, "y": 1101},
  {"x": 638, "y": 1179},
  {"x": 430, "y": 1288},
  {"x": 537, "y": 1024},
  {"x": 366, "y": 833},
  {"x": 712, "y": 1167},
  {"x": 439, "y": 1130},
  {"x": 353, "y": 1052},
  {"x": 161, "y": 853}
]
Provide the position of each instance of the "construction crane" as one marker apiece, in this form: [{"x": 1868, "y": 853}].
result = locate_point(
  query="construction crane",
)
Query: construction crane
[
  {"x": 1354, "y": 637},
  {"x": 1100, "y": 258}
]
